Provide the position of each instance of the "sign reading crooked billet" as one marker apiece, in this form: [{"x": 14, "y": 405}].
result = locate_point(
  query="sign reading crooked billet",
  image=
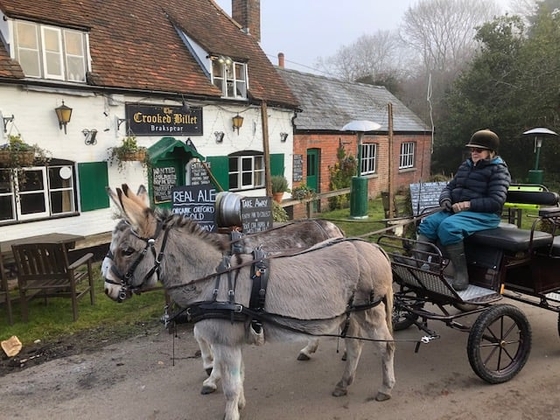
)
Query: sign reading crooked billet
[
  {"x": 197, "y": 202},
  {"x": 256, "y": 214},
  {"x": 149, "y": 120}
]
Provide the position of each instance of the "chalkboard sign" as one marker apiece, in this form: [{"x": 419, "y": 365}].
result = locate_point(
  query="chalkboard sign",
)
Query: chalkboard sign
[
  {"x": 425, "y": 196},
  {"x": 256, "y": 214},
  {"x": 297, "y": 173},
  {"x": 198, "y": 175},
  {"x": 197, "y": 203},
  {"x": 163, "y": 180}
]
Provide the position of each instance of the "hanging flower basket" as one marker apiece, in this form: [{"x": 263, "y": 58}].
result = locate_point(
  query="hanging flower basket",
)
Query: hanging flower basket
[
  {"x": 11, "y": 158},
  {"x": 139, "y": 155}
]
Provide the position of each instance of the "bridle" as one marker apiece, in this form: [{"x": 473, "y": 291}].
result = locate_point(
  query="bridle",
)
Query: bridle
[{"x": 126, "y": 284}]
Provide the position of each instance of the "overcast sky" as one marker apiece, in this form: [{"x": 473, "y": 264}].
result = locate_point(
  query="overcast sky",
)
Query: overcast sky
[{"x": 306, "y": 29}]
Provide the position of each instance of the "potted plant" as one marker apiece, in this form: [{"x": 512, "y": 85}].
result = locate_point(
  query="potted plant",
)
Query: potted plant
[
  {"x": 129, "y": 150},
  {"x": 302, "y": 192},
  {"x": 279, "y": 187}
]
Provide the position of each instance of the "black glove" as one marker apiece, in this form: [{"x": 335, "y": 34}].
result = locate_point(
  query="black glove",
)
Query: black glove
[{"x": 446, "y": 205}]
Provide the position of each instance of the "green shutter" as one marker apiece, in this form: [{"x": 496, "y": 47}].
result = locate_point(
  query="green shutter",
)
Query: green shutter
[
  {"x": 219, "y": 165},
  {"x": 277, "y": 164},
  {"x": 94, "y": 177}
]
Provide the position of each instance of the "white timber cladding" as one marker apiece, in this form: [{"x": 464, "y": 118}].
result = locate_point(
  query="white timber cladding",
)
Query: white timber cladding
[{"x": 36, "y": 121}]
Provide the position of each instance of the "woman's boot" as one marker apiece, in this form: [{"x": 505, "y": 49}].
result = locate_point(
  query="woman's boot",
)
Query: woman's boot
[{"x": 456, "y": 254}]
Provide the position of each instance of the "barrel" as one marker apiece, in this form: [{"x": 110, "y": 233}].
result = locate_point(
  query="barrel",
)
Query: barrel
[{"x": 228, "y": 209}]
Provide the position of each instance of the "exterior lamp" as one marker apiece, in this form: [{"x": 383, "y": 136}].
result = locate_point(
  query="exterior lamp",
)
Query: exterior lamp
[
  {"x": 237, "y": 122},
  {"x": 63, "y": 113}
]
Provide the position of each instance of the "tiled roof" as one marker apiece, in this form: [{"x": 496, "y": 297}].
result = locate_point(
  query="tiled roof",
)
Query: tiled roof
[
  {"x": 134, "y": 45},
  {"x": 328, "y": 104}
]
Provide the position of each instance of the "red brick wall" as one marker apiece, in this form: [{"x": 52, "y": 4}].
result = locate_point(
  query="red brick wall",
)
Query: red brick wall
[{"x": 329, "y": 143}]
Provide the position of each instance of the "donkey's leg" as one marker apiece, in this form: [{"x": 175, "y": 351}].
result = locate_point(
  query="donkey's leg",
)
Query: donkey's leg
[
  {"x": 230, "y": 363},
  {"x": 377, "y": 328},
  {"x": 387, "y": 347},
  {"x": 353, "y": 353},
  {"x": 306, "y": 352},
  {"x": 205, "y": 351}
]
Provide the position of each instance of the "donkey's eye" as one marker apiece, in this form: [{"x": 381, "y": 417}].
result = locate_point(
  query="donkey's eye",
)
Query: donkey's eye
[{"x": 129, "y": 251}]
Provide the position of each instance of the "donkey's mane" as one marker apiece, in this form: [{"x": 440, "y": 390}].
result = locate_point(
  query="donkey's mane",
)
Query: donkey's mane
[{"x": 166, "y": 216}]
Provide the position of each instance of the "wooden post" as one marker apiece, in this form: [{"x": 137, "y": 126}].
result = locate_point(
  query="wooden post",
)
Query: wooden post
[
  {"x": 390, "y": 169},
  {"x": 266, "y": 149}
]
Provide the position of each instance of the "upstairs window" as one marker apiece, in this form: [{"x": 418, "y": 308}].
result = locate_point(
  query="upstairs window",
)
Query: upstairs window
[
  {"x": 406, "y": 158},
  {"x": 230, "y": 77},
  {"x": 49, "y": 52}
]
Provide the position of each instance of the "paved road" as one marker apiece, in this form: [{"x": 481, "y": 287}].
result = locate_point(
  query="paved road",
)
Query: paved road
[{"x": 136, "y": 379}]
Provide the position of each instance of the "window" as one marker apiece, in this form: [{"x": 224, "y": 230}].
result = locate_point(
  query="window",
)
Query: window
[
  {"x": 37, "y": 192},
  {"x": 369, "y": 152},
  {"x": 49, "y": 52},
  {"x": 246, "y": 172},
  {"x": 230, "y": 77},
  {"x": 407, "y": 155}
]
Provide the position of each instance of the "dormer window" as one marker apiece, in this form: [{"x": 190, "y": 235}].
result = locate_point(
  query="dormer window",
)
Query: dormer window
[
  {"x": 49, "y": 52},
  {"x": 230, "y": 76}
]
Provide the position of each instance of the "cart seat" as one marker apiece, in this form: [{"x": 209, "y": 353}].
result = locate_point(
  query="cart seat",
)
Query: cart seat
[{"x": 513, "y": 240}]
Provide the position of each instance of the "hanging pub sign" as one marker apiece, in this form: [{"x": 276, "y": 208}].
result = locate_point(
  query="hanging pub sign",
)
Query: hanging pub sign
[
  {"x": 153, "y": 120},
  {"x": 196, "y": 202}
]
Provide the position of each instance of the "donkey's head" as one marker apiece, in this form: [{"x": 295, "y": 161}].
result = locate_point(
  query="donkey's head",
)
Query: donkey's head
[{"x": 131, "y": 262}]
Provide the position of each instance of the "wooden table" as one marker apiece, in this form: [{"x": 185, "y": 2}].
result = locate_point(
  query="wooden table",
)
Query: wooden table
[{"x": 6, "y": 247}]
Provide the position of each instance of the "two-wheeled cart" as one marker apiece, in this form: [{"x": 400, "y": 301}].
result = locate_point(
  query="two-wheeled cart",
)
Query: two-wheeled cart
[{"x": 520, "y": 264}]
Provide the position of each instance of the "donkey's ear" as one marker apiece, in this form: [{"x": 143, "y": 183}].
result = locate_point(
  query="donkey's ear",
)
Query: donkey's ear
[
  {"x": 141, "y": 197},
  {"x": 115, "y": 199},
  {"x": 140, "y": 217}
]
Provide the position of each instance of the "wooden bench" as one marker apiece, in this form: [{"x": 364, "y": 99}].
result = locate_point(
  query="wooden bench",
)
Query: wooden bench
[{"x": 44, "y": 270}]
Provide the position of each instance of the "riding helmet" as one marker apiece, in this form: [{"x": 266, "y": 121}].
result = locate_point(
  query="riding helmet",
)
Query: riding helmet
[{"x": 485, "y": 139}]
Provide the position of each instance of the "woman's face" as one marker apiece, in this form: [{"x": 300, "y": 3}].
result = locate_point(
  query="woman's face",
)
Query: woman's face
[{"x": 479, "y": 154}]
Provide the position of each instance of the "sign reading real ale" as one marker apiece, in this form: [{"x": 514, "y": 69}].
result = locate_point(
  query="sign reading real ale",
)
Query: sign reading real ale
[
  {"x": 197, "y": 203},
  {"x": 149, "y": 120}
]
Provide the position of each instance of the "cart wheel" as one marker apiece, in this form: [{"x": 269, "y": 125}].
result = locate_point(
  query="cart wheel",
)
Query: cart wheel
[
  {"x": 499, "y": 343},
  {"x": 402, "y": 319}
]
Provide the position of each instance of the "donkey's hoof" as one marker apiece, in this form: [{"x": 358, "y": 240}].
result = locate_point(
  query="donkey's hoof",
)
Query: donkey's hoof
[
  {"x": 207, "y": 390},
  {"x": 209, "y": 371},
  {"x": 303, "y": 356},
  {"x": 382, "y": 397},
  {"x": 339, "y": 392}
]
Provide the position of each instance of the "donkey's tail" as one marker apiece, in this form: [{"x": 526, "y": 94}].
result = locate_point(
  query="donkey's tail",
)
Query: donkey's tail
[{"x": 388, "y": 300}]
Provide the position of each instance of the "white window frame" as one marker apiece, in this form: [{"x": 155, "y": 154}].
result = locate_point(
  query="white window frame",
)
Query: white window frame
[
  {"x": 407, "y": 156},
  {"x": 46, "y": 193},
  {"x": 369, "y": 159},
  {"x": 52, "y": 58},
  {"x": 249, "y": 173},
  {"x": 230, "y": 76}
]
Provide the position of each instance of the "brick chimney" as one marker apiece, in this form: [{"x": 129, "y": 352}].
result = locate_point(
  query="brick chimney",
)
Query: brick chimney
[
  {"x": 248, "y": 14},
  {"x": 281, "y": 60}
]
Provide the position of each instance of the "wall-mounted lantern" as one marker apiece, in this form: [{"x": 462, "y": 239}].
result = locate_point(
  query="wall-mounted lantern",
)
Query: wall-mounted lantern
[
  {"x": 237, "y": 122},
  {"x": 63, "y": 113},
  {"x": 283, "y": 137}
]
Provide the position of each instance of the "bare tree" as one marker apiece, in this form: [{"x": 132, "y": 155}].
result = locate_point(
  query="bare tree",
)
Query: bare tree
[
  {"x": 442, "y": 31},
  {"x": 370, "y": 56}
]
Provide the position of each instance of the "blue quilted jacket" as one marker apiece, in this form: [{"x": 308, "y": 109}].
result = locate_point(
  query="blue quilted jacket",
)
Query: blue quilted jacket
[{"x": 485, "y": 185}]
